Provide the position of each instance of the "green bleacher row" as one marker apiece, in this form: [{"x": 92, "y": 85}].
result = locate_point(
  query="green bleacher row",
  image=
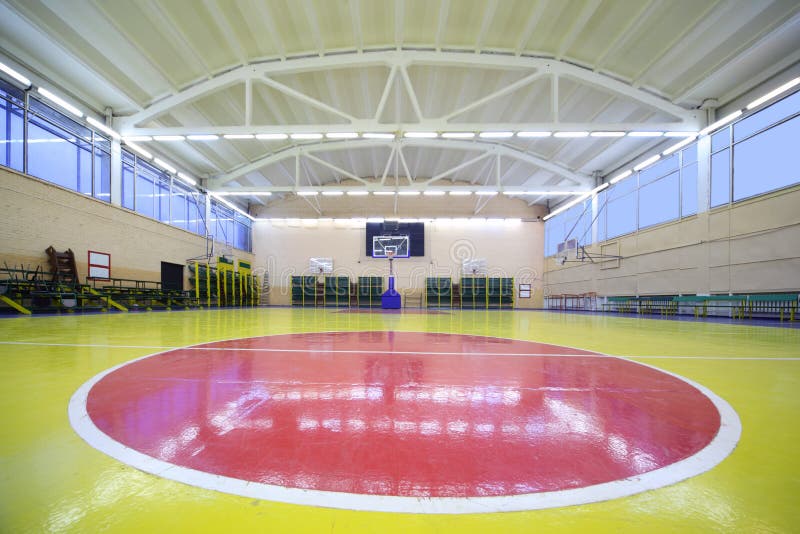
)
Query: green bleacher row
[
  {"x": 339, "y": 291},
  {"x": 783, "y": 306},
  {"x": 28, "y": 291}
]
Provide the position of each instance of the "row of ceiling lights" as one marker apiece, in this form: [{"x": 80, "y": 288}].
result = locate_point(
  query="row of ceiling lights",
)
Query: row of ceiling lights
[
  {"x": 677, "y": 146},
  {"x": 362, "y": 220},
  {"x": 407, "y": 135},
  {"x": 73, "y": 110},
  {"x": 427, "y": 193}
]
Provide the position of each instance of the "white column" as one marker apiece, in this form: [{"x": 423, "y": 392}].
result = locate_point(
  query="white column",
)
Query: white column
[{"x": 116, "y": 173}]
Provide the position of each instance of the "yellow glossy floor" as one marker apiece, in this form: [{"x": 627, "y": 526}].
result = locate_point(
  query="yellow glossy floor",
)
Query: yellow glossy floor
[{"x": 52, "y": 481}]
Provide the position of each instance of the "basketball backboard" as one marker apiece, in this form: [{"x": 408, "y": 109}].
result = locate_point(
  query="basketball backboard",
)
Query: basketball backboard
[{"x": 381, "y": 244}]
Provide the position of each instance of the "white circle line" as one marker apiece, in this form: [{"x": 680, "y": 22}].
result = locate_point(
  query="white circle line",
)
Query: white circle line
[{"x": 712, "y": 454}]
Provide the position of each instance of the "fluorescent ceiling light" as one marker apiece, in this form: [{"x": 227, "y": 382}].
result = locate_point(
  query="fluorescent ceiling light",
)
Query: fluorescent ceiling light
[
  {"x": 647, "y": 162},
  {"x": 202, "y": 137},
  {"x": 16, "y": 75},
  {"x": 358, "y": 193},
  {"x": 333, "y": 193},
  {"x": 272, "y": 136},
  {"x": 680, "y": 134},
  {"x": 534, "y": 134},
  {"x": 307, "y": 193},
  {"x": 607, "y": 134},
  {"x": 238, "y": 136},
  {"x": 233, "y": 206},
  {"x": 458, "y": 135},
  {"x": 724, "y": 120},
  {"x": 164, "y": 165},
  {"x": 578, "y": 200},
  {"x": 341, "y": 135},
  {"x": 495, "y": 135},
  {"x": 408, "y": 193},
  {"x": 102, "y": 127},
  {"x": 421, "y": 135},
  {"x": 620, "y": 176},
  {"x": 486, "y": 193},
  {"x": 375, "y": 219},
  {"x": 136, "y": 148},
  {"x": 433, "y": 193},
  {"x": 305, "y": 136},
  {"x": 168, "y": 137},
  {"x": 678, "y": 146},
  {"x": 383, "y": 193},
  {"x": 379, "y": 135},
  {"x": 186, "y": 178},
  {"x": 571, "y": 134},
  {"x": 459, "y": 193},
  {"x": 137, "y": 138},
  {"x": 60, "y": 101},
  {"x": 242, "y": 193},
  {"x": 772, "y": 94},
  {"x": 645, "y": 134}
]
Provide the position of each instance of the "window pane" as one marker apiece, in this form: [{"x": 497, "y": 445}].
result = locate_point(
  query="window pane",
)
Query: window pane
[
  {"x": 658, "y": 201},
  {"x": 56, "y": 117},
  {"x": 145, "y": 189},
  {"x": 622, "y": 188},
  {"x": 11, "y": 135},
  {"x": 602, "y": 208},
  {"x": 774, "y": 113},
  {"x": 768, "y": 161},
  {"x": 102, "y": 175},
  {"x": 127, "y": 182},
  {"x": 689, "y": 154},
  {"x": 721, "y": 139},
  {"x": 689, "y": 190},
  {"x": 59, "y": 157},
  {"x": 661, "y": 168},
  {"x": 162, "y": 203},
  {"x": 621, "y": 218},
  {"x": 720, "y": 178}
]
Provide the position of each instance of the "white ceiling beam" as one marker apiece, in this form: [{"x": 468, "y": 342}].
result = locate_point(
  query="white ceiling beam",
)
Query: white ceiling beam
[
  {"x": 627, "y": 33},
  {"x": 387, "y": 89},
  {"x": 376, "y": 186},
  {"x": 355, "y": 19},
  {"x": 683, "y": 43},
  {"x": 294, "y": 93},
  {"x": 496, "y": 94},
  {"x": 412, "y": 95},
  {"x": 392, "y": 155},
  {"x": 392, "y": 58},
  {"x": 789, "y": 27},
  {"x": 429, "y": 125},
  {"x": 530, "y": 26},
  {"x": 577, "y": 27},
  {"x": 399, "y": 22},
  {"x": 402, "y": 159},
  {"x": 334, "y": 168},
  {"x": 453, "y": 170},
  {"x": 228, "y": 33},
  {"x": 454, "y": 144},
  {"x": 266, "y": 18},
  {"x": 313, "y": 23},
  {"x": 441, "y": 24},
  {"x": 486, "y": 21}
]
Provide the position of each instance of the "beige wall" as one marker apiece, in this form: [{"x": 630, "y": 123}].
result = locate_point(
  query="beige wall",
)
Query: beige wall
[
  {"x": 36, "y": 214},
  {"x": 753, "y": 246},
  {"x": 284, "y": 248}
]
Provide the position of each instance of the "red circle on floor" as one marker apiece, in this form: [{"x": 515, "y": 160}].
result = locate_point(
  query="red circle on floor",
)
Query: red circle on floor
[{"x": 404, "y": 414}]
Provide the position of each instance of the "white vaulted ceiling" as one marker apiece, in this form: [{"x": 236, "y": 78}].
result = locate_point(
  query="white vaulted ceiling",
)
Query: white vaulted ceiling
[{"x": 323, "y": 66}]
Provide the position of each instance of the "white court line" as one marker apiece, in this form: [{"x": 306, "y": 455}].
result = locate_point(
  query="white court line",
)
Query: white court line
[
  {"x": 717, "y": 450},
  {"x": 412, "y": 353}
]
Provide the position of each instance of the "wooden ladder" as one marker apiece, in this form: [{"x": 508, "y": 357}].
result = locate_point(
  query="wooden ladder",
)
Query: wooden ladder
[{"x": 62, "y": 267}]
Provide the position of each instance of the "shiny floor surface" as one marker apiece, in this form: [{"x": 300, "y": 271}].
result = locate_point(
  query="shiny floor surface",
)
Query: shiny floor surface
[{"x": 52, "y": 480}]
